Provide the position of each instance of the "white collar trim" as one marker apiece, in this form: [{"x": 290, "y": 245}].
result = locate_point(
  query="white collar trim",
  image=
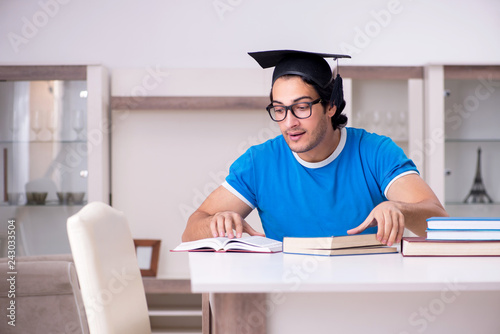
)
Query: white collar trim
[{"x": 333, "y": 156}]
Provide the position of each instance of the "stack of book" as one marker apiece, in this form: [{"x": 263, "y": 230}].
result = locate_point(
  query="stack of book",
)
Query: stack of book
[{"x": 455, "y": 236}]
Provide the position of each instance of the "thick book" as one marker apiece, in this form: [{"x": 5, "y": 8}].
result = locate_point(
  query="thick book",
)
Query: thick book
[
  {"x": 464, "y": 223},
  {"x": 420, "y": 246},
  {"x": 342, "y": 245},
  {"x": 433, "y": 234},
  {"x": 254, "y": 244}
]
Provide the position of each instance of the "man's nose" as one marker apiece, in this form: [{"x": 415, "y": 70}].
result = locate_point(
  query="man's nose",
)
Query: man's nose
[{"x": 290, "y": 119}]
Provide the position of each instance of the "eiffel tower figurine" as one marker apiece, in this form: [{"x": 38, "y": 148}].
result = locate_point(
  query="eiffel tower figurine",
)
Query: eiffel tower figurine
[{"x": 478, "y": 192}]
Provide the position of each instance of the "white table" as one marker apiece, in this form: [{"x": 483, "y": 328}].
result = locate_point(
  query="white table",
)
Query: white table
[{"x": 388, "y": 293}]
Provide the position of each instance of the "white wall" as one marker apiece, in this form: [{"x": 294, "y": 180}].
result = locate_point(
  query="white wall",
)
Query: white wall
[
  {"x": 163, "y": 160},
  {"x": 165, "y": 163},
  {"x": 204, "y": 33}
]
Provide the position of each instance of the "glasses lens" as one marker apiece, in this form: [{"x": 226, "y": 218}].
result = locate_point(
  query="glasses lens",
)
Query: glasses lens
[
  {"x": 277, "y": 113},
  {"x": 302, "y": 110}
]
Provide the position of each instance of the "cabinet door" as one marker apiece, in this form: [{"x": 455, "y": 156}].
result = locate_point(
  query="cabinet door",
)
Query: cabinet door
[
  {"x": 50, "y": 143},
  {"x": 472, "y": 141},
  {"x": 388, "y": 101},
  {"x": 461, "y": 120}
]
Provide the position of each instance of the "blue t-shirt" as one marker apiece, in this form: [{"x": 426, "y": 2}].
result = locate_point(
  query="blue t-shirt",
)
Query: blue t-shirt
[{"x": 296, "y": 198}]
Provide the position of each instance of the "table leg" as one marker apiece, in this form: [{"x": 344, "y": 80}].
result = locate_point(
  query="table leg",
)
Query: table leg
[{"x": 206, "y": 313}]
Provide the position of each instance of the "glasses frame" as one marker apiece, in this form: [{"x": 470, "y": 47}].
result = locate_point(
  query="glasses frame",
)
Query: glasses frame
[{"x": 290, "y": 107}]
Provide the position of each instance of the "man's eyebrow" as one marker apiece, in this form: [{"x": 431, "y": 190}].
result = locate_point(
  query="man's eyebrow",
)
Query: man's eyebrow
[
  {"x": 302, "y": 97},
  {"x": 296, "y": 100}
]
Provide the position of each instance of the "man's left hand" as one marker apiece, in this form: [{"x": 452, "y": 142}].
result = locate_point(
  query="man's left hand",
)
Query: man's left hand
[{"x": 390, "y": 221}]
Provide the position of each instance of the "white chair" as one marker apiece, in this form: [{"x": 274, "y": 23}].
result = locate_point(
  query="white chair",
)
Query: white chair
[{"x": 106, "y": 263}]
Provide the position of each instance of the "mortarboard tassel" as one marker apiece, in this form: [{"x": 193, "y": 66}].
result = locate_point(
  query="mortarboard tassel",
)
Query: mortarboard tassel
[{"x": 337, "y": 97}]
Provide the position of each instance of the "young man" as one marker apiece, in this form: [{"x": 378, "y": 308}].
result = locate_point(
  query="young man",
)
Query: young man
[{"x": 318, "y": 178}]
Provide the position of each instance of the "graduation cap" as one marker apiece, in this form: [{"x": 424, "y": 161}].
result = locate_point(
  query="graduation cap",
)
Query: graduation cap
[{"x": 310, "y": 65}]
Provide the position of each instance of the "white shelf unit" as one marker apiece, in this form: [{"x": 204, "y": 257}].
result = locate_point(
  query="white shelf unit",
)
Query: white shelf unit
[
  {"x": 44, "y": 148},
  {"x": 463, "y": 114},
  {"x": 388, "y": 101},
  {"x": 174, "y": 309}
]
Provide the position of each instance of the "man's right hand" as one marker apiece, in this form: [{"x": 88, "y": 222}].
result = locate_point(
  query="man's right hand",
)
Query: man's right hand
[
  {"x": 227, "y": 222},
  {"x": 221, "y": 214}
]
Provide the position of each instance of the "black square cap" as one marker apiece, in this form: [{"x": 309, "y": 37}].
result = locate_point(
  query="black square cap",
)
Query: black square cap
[{"x": 310, "y": 65}]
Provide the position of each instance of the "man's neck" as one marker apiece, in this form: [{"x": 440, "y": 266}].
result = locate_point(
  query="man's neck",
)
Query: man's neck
[{"x": 327, "y": 146}]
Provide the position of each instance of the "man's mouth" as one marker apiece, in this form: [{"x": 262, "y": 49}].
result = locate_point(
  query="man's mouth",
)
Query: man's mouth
[{"x": 296, "y": 135}]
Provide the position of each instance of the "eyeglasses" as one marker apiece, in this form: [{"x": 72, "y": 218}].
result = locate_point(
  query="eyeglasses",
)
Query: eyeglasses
[{"x": 300, "y": 110}]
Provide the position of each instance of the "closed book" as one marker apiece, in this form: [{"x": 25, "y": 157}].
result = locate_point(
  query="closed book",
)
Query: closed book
[
  {"x": 341, "y": 245},
  {"x": 464, "y": 223},
  {"x": 420, "y": 246},
  {"x": 433, "y": 234}
]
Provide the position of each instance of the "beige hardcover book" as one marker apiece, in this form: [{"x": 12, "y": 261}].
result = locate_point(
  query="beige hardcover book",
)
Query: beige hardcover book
[
  {"x": 419, "y": 246},
  {"x": 343, "y": 245}
]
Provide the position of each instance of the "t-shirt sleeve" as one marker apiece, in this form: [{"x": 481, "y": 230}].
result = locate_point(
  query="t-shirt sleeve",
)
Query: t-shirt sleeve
[
  {"x": 389, "y": 163},
  {"x": 241, "y": 179}
]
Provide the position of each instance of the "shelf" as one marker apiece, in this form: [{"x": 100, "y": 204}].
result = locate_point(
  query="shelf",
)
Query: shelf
[
  {"x": 188, "y": 102},
  {"x": 472, "y": 140},
  {"x": 47, "y": 204},
  {"x": 458, "y": 209},
  {"x": 176, "y": 331},
  {"x": 471, "y": 204},
  {"x": 173, "y": 308},
  {"x": 175, "y": 312},
  {"x": 47, "y": 72},
  {"x": 153, "y": 285},
  {"x": 383, "y": 72},
  {"x": 399, "y": 140},
  {"x": 466, "y": 72},
  {"x": 43, "y": 142}
]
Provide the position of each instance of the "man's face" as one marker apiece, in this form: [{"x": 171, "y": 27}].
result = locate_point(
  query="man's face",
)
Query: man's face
[{"x": 302, "y": 135}]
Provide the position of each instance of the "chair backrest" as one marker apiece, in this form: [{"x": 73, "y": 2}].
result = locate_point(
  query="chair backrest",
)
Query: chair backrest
[{"x": 106, "y": 263}]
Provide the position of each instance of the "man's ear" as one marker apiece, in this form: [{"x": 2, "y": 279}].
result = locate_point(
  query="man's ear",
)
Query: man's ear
[{"x": 331, "y": 110}]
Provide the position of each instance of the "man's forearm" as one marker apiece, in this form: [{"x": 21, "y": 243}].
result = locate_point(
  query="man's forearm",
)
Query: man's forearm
[
  {"x": 198, "y": 227},
  {"x": 416, "y": 214}
]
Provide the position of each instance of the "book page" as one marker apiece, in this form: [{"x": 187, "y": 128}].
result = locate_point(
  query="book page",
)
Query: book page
[
  {"x": 214, "y": 243},
  {"x": 254, "y": 243}
]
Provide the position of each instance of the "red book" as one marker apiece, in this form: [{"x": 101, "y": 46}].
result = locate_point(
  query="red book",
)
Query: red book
[{"x": 420, "y": 246}]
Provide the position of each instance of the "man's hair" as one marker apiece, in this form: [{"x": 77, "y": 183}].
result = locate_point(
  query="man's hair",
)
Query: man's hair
[{"x": 339, "y": 120}]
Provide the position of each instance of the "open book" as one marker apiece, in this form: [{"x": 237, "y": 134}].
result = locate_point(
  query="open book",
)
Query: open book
[
  {"x": 342, "y": 245},
  {"x": 255, "y": 244}
]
